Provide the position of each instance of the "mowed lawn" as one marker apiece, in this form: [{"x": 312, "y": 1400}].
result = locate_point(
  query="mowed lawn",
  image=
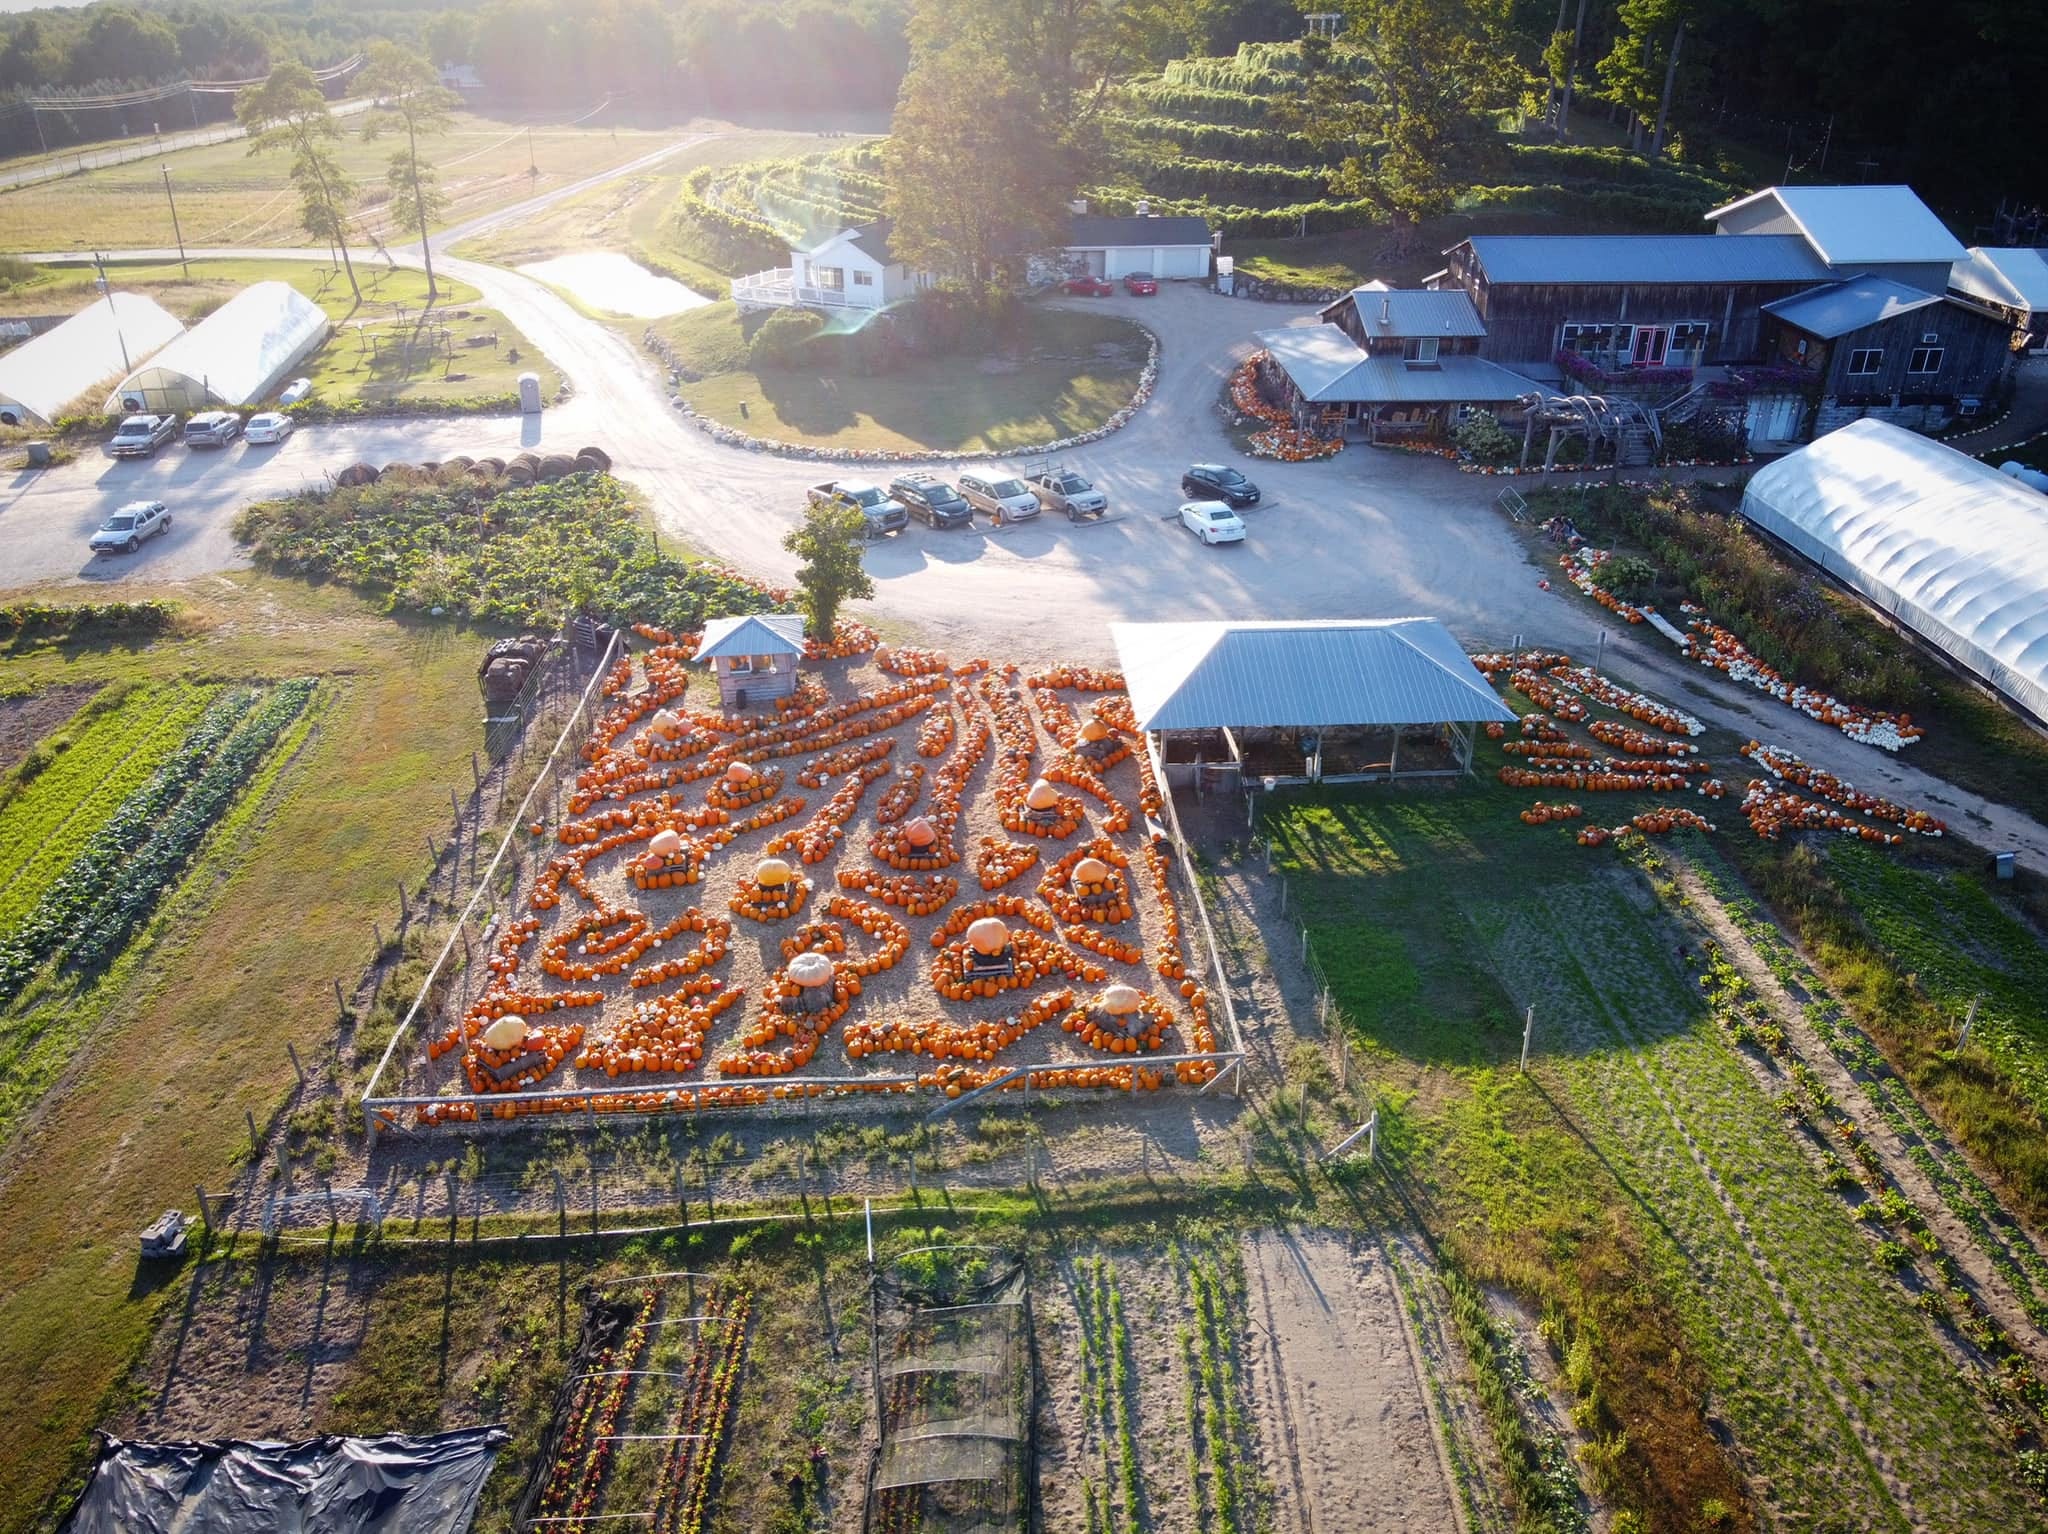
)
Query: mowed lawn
[
  {"x": 226, "y": 196},
  {"x": 1069, "y": 374},
  {"x": 365, "y": 358},
  {"x": 194, "y": 1036}
]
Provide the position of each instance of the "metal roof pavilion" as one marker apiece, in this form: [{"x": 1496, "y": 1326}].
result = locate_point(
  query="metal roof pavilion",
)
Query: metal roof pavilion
[
  {"x": 1845, "y": 306},
  {"x": 2013, "y": 275},
  {"x": 753, "y": 634},
  {"x": 1363, "y": 671}
]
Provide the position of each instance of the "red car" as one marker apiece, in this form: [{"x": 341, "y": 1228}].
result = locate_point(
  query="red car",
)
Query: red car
[
  {"x": 1088, "y": 287},
  {"x": 1141, "y": 284}
]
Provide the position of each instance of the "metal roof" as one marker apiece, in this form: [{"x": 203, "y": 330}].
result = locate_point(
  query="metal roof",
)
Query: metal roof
[
  {"x": 1847, "y": 224},
  {"x": 45, "y": 374},
  {"x": 2013, "y": 275},
  {"x": 1399, "y": 314},
  {"x": 1089, "y": 230},
  {"x": 753, "y": 634},
  {"x": 1841, "y": 307},
  {"x": 1648, "y": 258},
  {"x": 1329, "y": 368},
  {"x": 1377, "y": 671}
]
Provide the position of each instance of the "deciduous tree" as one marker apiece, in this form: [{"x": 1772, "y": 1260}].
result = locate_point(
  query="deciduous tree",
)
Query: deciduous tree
[
  {"x": 410, "y": 100},
  {"x": 829, "y": 541},
  {"x": 288, "y": 112}
]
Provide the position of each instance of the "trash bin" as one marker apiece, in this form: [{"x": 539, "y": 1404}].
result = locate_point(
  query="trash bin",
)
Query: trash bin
[
  {"x": 529, "y": 393},
  {"x": 2003, "y": 864},
  {"x": 39, "y": 455}
]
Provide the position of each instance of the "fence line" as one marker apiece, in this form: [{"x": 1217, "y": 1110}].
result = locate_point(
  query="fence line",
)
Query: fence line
[{"x": 1329, "y": 1015}]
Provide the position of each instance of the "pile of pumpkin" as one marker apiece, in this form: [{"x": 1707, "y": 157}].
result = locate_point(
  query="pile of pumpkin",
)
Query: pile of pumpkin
[
  {"x": 510, "y": 1040},
  {"x": 743, "y": 785},
  {"x": 850, "y": 637},
  {"x": 901, "y": 796},
  {"x": 936, "y": 733},
  {"x": 1032, "y": 955},
  {"x": 810, "y": 967},
  {"x": 1640, "y": 707},
  {"x": 1712, "y": 645},
  {"x": 1657, "y": 822},
  {"x": 717, "y": 939},
  {"x": 1771, "y": 811},
  {"x": 774, "y": 892},
  {"x": 1548, "y": 750},
  {"x": 1593, "y": 782},
  {"x": 954, "y": 1041},
  {"x": 835, "y": 764},
  {"x": 665, "y": 1034},
  {"x": 1492, "y": 662},
  {"x": 914, "y": 894},
  {"x": 1541, "y": 814},
  {"x": 1000, "y": 861},
  {"x": 1245, "y": 396},
  {"x": 821, "y": 835},
  {"x": 1088, "y": 885},
  {"x": 1635, "y": 742},
  {"x": 1540, "y": 691},
  {"x": 1040, "y": 810},
  {"x": 1292, "y": 444},
  {"x": 908, "y": 660},
  {"x": 1783, "y": 764},
  {"x": 611, "y": 939},
  {"x": 1121, "y": 1021},
  {"x": 1579, "y": 564}
]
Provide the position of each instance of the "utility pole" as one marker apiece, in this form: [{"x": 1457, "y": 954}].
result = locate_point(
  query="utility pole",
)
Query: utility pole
[
  {"x": 175, "y": 227},
  {"x": 100, "y": 266}
]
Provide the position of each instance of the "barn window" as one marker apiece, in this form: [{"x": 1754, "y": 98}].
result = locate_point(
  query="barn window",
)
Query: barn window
[
  {"x": 1865, "y": 361},
  {"x": 1421, "y": 351},
  {"x": 1688, "y": 343},
  {"x": 863, "y": 279},
  {"x": 1925, "y": 359}
]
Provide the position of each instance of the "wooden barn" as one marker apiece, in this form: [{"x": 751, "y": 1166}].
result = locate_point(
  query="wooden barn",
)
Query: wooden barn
[
  {"x": 754, "y": 657},
  {"x": 1875, "y": 347}
]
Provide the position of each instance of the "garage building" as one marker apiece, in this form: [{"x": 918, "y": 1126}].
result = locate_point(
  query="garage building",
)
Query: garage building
[
  {"x": 1112, "y": 247},
  {"x": 1950, "y": 547},
  {"x": 1343, "y": 701},
  {"x": 103, "y": 340},
  {"x": 238, "y": 355}
]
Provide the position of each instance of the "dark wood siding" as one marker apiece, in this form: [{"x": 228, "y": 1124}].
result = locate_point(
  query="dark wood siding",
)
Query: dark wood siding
[
  {"x": 1974, "y": 352},
  {"x": 1524, "y": 320}
]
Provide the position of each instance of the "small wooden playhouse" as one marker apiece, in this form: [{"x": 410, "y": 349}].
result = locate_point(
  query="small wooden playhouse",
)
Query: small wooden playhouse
[{"x": 754, "y": 657}]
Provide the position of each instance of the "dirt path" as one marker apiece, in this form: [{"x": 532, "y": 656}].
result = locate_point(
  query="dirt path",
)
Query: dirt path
[
  {"x": 1343, "y": 1415},
  {"x": 1957, "y": 1238}
]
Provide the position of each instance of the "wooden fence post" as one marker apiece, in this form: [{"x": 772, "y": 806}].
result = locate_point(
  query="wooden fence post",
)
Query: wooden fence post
[
  {"x": 340, "y": 1002},
  {"x": 205, "y": 1214},
  {"x": 297, "y": 1069}
]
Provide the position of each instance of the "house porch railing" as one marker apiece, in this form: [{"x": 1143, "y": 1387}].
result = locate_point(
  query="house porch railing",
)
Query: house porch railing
[{"x": 778, "y": 289}]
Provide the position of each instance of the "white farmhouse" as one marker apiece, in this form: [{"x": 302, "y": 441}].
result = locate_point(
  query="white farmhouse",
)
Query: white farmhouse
[{"x": 852, "y": 269}]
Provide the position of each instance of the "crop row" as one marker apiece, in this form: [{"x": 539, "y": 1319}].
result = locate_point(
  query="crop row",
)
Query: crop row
[
  {"x": 1109, "y": 1386},
  {"x": 43, "y": 829},
  {"x": 148, "y": 874},
  {"x": 1215, "y": 1386},
  {"x": 1224, "y": 140},
  {"x": 1195, "y": 103},
  {"x": 1965, "y": 1194},
  {"x": 57, "y": 918}
]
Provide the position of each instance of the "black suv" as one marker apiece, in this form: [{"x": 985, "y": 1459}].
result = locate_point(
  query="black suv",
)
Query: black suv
[
  {"x": 1214, "y": 482},
  {"x": 932, "y": 501}
]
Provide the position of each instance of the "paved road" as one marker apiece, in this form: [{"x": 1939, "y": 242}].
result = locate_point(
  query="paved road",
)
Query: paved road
[{"x": 1366, "y": 533}]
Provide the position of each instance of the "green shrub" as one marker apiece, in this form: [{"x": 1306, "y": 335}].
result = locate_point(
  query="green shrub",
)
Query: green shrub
[
  {"x": 782, "y": 339},
  {"x": 1627, "y": 576},
  {"x": 1481, "y": 438},
  {"x": 85, "y": 620}
]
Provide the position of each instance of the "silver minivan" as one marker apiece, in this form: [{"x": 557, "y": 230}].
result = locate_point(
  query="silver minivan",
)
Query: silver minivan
[{"x": 999, "y": 497}]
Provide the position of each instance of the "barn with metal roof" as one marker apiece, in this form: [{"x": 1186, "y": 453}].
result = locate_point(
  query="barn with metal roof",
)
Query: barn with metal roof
[{"x": 1349, "y": 700}]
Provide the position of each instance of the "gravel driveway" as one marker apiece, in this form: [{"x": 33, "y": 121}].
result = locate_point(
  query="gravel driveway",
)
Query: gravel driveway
[{"x": 1364, "y": 534}]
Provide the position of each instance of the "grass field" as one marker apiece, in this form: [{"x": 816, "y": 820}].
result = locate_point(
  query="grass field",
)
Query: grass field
[
  {"x": 349, "y": 366},
  {"x": 1840, "y": 1396},
  {"x": 181, "y": 1045},
  {"x": 228, "y": 197},
  {"x": 1068, "y": 375}
]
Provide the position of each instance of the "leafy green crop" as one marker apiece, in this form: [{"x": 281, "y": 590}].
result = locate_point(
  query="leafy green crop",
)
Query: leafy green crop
[
  {"x": 59, "y": 918},
  {"x": 529, "y": 557},
  {"x": 42, "y": 830}
]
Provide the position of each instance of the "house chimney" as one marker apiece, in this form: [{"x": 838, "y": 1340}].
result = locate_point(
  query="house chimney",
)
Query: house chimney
[
  {"x": 1386, "y": 309},
  {"x": 1143, "y": 208},
  {"x": 1078, "y": 205}
]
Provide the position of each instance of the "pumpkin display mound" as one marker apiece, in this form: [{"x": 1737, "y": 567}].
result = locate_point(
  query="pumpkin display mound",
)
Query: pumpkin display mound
[
  {"x": 824, "y": 949},
  {"x": 775, "y": 892}
]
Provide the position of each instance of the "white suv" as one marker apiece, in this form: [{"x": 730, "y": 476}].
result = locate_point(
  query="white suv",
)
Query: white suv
[
  {"x": 999, "y": 497},
  {"x": 123, "y": 532}
]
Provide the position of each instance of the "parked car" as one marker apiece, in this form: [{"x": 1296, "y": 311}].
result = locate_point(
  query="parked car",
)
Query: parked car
[
  {"x": 1088, "y": 287},
  {"x": 1217, "y": 482},
  {"x": 1140, "y": 284},
  {"x": 871, "y": 501},
  {"x": 931, "y": 500},
  {"x": 1212, "y": 521},
  {"x": 1064, "y": 490},
  {"x": 295, "y": 391},
  {"x": 139, "y": 436},
  {"x": 269, "y": 426},
  {"x": 212, "y": 428},
  {"x": 999, "y": 497},
  {"x": 123, "y": 532}
]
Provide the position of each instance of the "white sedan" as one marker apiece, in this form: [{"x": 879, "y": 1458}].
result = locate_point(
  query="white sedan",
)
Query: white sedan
[
  {"x": 269, "y": 426},
  {"x": 1212, "y": 521}
]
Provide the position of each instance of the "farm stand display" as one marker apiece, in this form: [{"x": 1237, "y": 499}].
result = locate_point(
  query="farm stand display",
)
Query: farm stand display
[{"x": 611, "y": 990}]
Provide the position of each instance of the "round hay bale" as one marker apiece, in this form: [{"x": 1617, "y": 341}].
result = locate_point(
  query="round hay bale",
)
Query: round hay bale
[
  {"x": 491, "y": 466},
  {"x": 595, "y": 458},
  {"x": 531, "y": 460},
  {"x": 357, "y": 474},
  {"x": 517, "y": 473},
  {"x": 404, "y": 473},
  {"x": 556, "y": 466},
  {"x": 460, "y": 461}
]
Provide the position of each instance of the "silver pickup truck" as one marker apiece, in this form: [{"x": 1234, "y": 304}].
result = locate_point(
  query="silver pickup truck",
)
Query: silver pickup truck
[
  {"x": 884, "y": 514},
  {"x": 139, "y": 436}
]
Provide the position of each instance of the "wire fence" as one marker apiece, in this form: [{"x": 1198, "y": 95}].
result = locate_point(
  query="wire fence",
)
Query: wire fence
[{"x": 400, "y": 1088}]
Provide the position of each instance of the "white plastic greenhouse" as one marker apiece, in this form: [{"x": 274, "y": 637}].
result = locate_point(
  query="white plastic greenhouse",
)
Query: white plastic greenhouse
[
  {"x": 41, "y": 376},
  {"x": 236, "y": 355},
  {"x": 1950, "y": 547}
]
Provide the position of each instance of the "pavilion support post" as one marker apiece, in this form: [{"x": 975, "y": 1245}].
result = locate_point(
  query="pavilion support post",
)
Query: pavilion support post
[{"x": 1394, "y": 763}]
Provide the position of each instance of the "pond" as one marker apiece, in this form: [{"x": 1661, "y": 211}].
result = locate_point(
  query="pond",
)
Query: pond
[{"x": 616, "y": 284}]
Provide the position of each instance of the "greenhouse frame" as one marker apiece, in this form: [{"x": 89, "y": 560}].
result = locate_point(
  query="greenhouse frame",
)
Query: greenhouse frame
[
  {"x": 238, "y": 355},
  {"x": 1951, "y": 548},
  {"x": 103, "y": 340}
]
